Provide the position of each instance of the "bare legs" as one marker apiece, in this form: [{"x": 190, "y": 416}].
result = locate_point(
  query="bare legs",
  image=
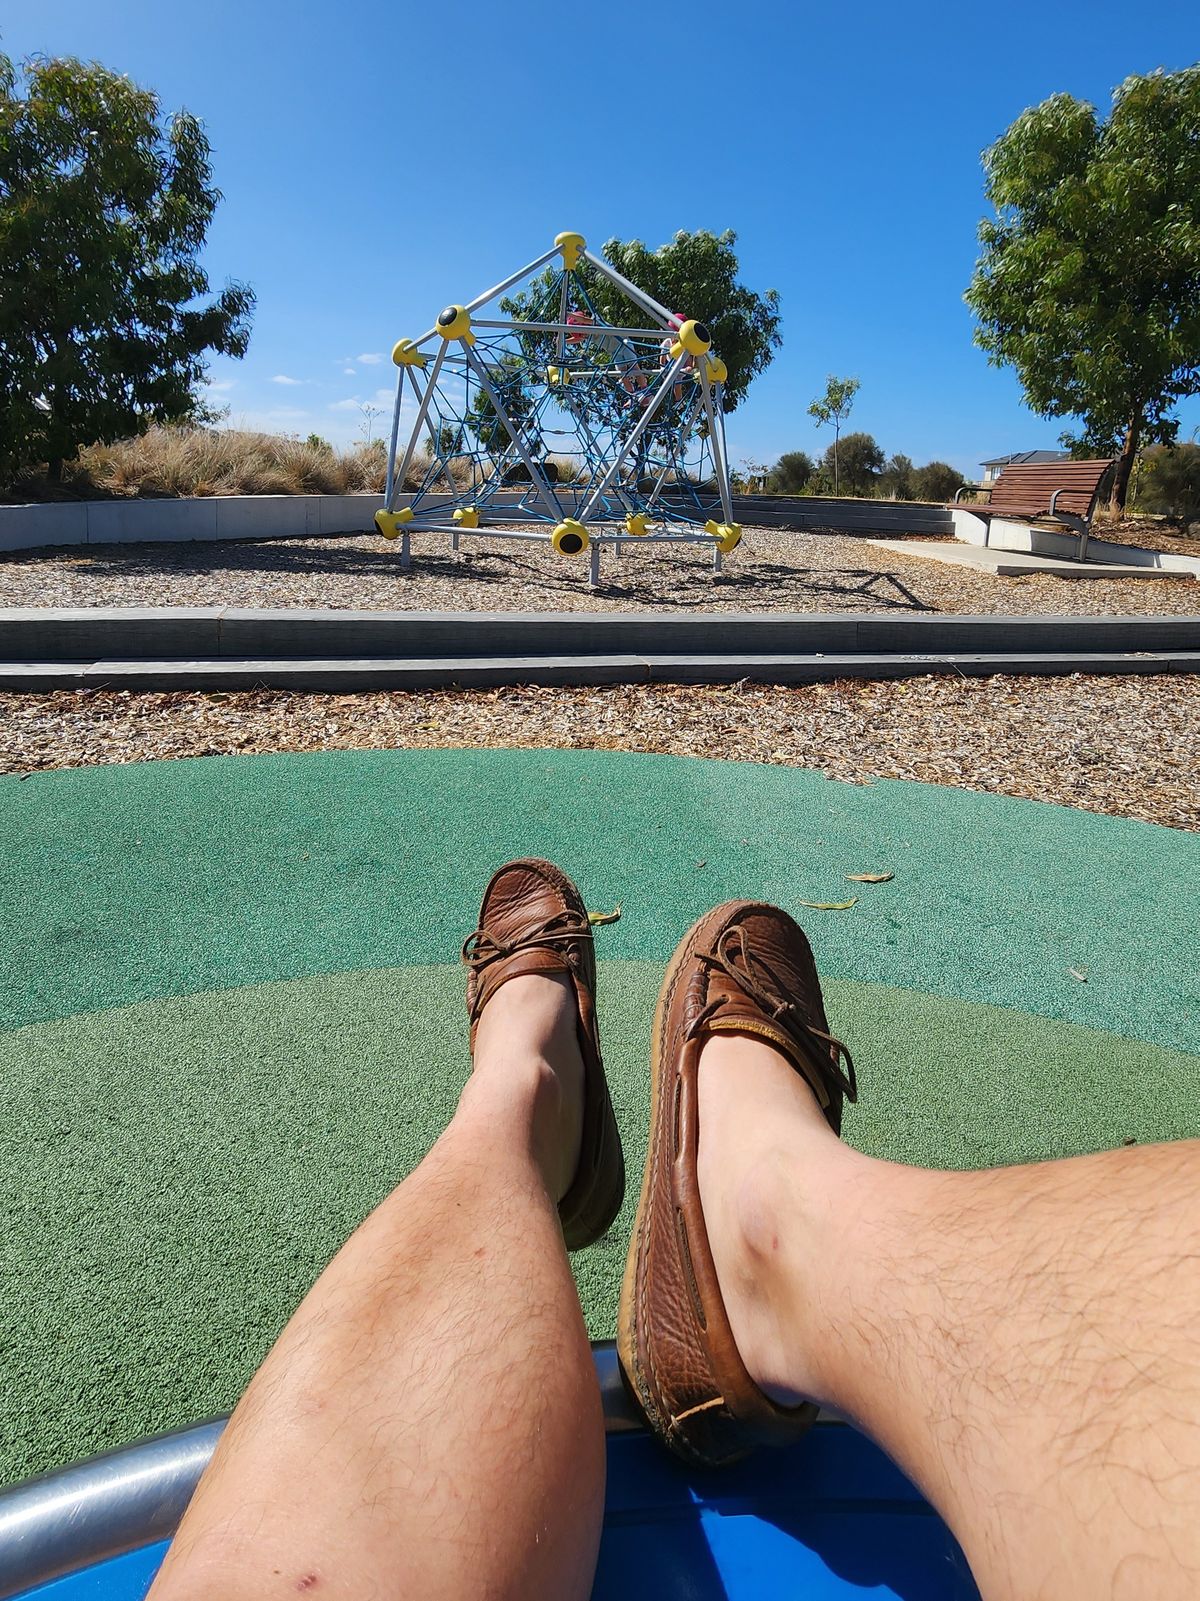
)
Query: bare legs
[
  {"x": 428, "y": 1423},
  {"x": 1023, "y": 1341}
]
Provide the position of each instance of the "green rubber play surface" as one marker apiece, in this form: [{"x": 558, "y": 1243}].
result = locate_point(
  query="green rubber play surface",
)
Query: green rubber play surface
[{"x": 231, "y": 1014}]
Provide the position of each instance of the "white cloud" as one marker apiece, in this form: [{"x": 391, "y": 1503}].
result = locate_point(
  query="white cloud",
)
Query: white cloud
[
  {"x": 350, "y": 372},
  {"x": 345, "y": 405},
  {"x": 221, "y": 386},
  {"x": 387, "y": 396},
  {"x": 371, "y": 359},
  {"x": 282, "y": 378},
  {"x": 279, "y": 419}
]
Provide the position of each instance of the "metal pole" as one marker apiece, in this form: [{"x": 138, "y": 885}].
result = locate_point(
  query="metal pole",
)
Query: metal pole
[
  {"x": 433, "y": 439},
  {"x": 391, "y": 465},
  {"x": 548, "y": 499},
  {"x": 638, "y": 296},
  {"x": 594, "y": 565},
  {"x": 562, "y": 316},
  {"x": 497, "y": 289},
  {"x": 563, "y": 327},
  {"x": 657, "y": 490},
  {"x": 644, "y": 422},
  {"x": 410, "y": 449},
  {"x": 718, "y": 454}
]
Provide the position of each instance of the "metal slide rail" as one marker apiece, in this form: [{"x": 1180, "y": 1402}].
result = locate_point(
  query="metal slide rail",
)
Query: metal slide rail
[{"x": 137, "y": 1495}]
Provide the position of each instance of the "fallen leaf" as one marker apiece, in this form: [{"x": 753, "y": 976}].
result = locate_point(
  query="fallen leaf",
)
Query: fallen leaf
[
  {"x": 869, "y": 878},
  {"x": 596, "y": 918},
  {"x": 830, "y": 906},
  {"x": 1078, "y": 972}
]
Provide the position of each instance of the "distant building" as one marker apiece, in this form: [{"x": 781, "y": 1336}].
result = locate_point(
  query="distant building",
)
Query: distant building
[{"x": 1021, "y": 458}]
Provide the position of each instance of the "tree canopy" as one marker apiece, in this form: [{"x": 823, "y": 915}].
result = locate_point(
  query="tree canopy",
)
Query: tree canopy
[
  {"x": 1089, "y": 279},
  {"x": 853, "y": 465},
  {"x": 104, "y": 209},
  {"x": 831, "y": 409},
  {"x": 865, "y": 471}
]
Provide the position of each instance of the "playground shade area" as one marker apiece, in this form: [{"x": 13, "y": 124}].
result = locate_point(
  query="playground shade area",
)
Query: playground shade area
[{"x": 232, "y": 1014}]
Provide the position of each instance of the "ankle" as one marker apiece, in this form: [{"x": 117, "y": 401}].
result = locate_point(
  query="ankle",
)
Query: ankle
[
  {"x": 528, "y": 1066},
  {"x": 777, "y": 1185}
]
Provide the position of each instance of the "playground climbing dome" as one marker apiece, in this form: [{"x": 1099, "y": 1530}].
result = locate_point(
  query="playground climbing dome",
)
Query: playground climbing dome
[{"x": 576, "y": 410}]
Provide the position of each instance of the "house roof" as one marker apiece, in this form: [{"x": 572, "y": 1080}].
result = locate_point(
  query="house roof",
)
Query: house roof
[{"x": 1022, "y": 457}]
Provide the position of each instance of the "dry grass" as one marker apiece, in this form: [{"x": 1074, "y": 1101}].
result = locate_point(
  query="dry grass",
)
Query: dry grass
[
  {"x": 224, "y": 461},
  {"x": 170, "y": 462}
]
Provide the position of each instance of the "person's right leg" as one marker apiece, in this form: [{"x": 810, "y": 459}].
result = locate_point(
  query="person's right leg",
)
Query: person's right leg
[{"x": 1022, "y": 1341}]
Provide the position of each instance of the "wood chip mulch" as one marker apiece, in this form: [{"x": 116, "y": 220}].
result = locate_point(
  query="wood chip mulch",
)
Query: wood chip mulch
[
  {"x": 1126, "y": 746},
  {"x": 772, "y": 570}
]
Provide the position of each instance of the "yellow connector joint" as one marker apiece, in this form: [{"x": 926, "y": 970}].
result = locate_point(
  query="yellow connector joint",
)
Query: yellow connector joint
[
  {"x": 467, "y": 517},
  {"x": 389, "y": 523},
  {"x": 695, "y": 338},
  {"x": 571, "y": 245},
  {"x": 406, "y": 354},
  {"x": 455, "y": 323},
  {"x": 570, "y": 538}
]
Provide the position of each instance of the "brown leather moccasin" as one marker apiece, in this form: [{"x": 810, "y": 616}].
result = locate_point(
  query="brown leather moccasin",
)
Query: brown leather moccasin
[
  {"x": 533, "y": 920},
  {"x": 745, "y": 968}
]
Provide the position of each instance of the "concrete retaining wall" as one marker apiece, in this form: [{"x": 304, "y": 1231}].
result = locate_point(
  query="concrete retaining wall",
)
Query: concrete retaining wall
[
  {"x": 92, "y": 522},
  {"x": 49, "y": 634},
  {"x": 883, "y": 517}
]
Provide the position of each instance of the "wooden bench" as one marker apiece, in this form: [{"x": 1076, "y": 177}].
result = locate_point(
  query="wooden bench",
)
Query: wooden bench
[{"x": 1065, "y": 491}]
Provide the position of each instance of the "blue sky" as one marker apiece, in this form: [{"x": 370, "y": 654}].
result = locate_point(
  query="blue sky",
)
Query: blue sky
[{"x": 379, "y": 160}]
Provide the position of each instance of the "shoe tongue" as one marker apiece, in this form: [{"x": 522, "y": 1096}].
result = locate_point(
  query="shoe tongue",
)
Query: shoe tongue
[{"x": 734, "y": 1022}]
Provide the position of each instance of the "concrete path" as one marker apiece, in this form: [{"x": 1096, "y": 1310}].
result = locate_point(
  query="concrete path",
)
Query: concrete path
[{"x": 1014, "y": 563}]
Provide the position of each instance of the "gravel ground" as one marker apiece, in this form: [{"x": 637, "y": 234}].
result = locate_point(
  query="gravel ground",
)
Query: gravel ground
[
  {"x": 1126, "y": 746},
  {"x": 771, "y": 571}
]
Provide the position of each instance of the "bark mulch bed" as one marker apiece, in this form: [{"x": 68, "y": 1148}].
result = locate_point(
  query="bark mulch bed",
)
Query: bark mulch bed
[{"x": 1129, "y": 747}]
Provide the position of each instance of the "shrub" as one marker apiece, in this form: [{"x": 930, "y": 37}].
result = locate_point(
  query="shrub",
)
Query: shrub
[
  {"x": 791, "y": 473},
  {"x": 1170, "y": 482},
  {"x": 937, "y": 480}
]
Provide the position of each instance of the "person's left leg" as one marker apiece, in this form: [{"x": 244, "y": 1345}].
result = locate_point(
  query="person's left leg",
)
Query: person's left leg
[{"x": 428, "y": 1423}]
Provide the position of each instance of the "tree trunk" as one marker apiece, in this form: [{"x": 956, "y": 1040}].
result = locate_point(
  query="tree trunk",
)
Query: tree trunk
[
  {"x": 54, "y": 469},
  {"x": 1120, "y": 486},
  {"x": 836, "y": 435}
]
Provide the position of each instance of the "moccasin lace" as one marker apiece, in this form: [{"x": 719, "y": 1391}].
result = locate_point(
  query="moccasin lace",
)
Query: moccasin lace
[
  {"x": 482, "y": 948},
  {"x": 758, "y": 980}
]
